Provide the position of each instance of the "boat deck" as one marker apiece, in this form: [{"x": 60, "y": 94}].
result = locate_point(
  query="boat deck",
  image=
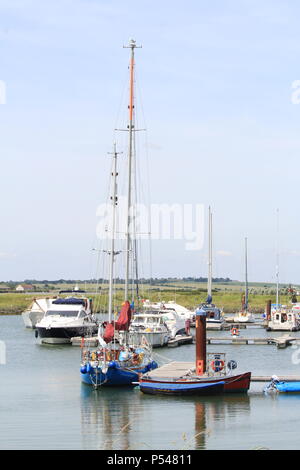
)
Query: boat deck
[
  {"x": 172, "y": 370},
  {"x": 175, "y": 370}
]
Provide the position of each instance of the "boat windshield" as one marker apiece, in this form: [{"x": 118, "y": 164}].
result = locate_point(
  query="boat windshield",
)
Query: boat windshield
[
  {"x": 150, "y": 319},
  {"x": 62, "y": 313}
]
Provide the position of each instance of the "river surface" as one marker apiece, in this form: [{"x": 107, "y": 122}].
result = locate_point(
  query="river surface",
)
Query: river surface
[{"x": 43, "y": 404}]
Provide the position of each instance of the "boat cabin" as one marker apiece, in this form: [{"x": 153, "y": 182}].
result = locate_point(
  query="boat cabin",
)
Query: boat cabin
[
  {"x": 283, "y": 319},
  {"x": 148, "y": 321}
]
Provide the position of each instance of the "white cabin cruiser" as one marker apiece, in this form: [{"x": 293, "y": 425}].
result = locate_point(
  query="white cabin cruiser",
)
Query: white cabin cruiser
[
  {"x": 35, "y": 312},
  {"x": 283, "y": 319},
  {"x": 170, "y": 305},
  {"x": 65, "y": 319},
  {"x": 152, "y": 326}
]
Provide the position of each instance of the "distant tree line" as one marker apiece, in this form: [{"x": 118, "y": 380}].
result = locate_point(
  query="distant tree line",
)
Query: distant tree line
[{"x": 152, "y": 280}]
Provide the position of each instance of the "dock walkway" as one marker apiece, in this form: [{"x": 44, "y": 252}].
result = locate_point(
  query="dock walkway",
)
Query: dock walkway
[{"x": 281, "y": 341}]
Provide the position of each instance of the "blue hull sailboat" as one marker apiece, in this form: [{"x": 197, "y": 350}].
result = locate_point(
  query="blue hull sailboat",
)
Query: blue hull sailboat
[
  {"x": 120, "y": 357},
  {"x": 116, "y": 363}
]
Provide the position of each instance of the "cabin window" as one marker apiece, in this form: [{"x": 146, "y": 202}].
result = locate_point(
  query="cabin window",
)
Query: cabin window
[{"x": 64, "y": 313}]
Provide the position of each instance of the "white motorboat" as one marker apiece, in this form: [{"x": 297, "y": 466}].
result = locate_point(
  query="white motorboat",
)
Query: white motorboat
[
  {"x": 283, "y": 319},
  {"x": 181, "y": 311},
  {"x": 176, "y": 323},
  {"x": 65, "y": 319},
  {"x": 152, "y": 326},
  {"x": 35, "y": 312}
]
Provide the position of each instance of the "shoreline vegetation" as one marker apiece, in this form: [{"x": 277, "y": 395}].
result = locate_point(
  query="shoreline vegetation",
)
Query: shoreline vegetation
[{"x": 189, "y": 292}]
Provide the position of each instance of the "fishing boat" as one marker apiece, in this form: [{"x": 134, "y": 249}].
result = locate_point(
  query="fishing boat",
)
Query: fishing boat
[
  {"x": 121, "y": 356},
  {"x": 66, "y": 318},
  {"x": 211, "y": 374},
  {"x": 36, "y": 310},
  {"x": 280, "y": 386},
  {"x": 244, "y": 316},
  {"x": 214, "y": 315}
]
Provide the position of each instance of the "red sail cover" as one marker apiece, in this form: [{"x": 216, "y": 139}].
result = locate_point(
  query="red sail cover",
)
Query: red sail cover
[
  {"x": 109, "y": 332},
  {"x": 124, "y": 319}
]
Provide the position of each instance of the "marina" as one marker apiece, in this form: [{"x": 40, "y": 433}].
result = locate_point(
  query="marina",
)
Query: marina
[
  {"x": 96, "y": 418},
  {"x": 149, "y": 290}
]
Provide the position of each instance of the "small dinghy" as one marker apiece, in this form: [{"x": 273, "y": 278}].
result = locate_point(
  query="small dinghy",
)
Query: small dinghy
[{"x": 277, "y": 385}]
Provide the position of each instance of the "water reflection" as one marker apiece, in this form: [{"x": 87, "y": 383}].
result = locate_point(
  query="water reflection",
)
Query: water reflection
[
  {"x": 114, "y": 419},
  {"x": 210, "y": 412},
  {"x": 106, "y": 418}
]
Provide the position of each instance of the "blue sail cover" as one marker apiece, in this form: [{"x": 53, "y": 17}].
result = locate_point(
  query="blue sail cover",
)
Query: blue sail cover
[
  {"x": 69, "y": 301},
  {"x": 209, "y": 299}
]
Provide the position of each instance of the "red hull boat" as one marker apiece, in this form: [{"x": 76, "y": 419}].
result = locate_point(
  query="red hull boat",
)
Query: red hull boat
[{"x": 230, "y": 384}]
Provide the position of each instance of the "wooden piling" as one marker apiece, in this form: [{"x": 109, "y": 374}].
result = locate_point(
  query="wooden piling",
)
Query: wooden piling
[{"x": 200, "y": 341}]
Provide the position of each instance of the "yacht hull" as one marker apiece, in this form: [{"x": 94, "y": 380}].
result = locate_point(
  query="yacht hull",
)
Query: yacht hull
[
  {"x": 115, "y": 376},
  {"x": 156, "y": 340},
  {"x": 62, "y": 335}
]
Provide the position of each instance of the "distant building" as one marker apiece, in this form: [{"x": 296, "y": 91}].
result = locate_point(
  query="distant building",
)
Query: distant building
[
  {"x": 24, "y": 288},
  {"x": 4, "y": 289}
]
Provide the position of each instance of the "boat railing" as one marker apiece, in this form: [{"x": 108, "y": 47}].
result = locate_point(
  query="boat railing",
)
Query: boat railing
[{"x": 216, "y": 364}]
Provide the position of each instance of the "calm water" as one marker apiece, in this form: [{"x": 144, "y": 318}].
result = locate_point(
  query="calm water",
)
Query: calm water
[{"x": 43, "y": 404}]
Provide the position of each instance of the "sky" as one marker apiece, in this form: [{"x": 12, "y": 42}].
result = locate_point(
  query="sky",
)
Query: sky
[{"x": 215, "y": 93}]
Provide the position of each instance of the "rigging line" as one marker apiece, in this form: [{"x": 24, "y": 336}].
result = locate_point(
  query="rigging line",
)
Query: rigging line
[
  {"x": 147, "y": 186},
  {"x": 121, "y": 107},
  {"x": 166, "y": 359}
]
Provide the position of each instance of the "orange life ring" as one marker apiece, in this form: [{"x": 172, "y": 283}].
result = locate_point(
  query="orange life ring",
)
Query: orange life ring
[
  {"x": 217, "y": 365},
  {"x": 234, "y": 331}
]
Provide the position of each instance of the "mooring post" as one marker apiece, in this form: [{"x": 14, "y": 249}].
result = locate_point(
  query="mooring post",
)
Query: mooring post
[
  {"x": 268, "y": 311},
  {"x": 200, "y": 341}
]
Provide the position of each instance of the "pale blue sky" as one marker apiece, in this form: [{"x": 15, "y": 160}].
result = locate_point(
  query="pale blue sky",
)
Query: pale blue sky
[{"x": 216, "y": 84}]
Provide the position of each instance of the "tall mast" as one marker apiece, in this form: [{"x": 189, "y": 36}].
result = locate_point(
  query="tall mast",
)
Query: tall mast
[
  {"x": 246, "y": 277},
  {"x": 277, "y": 260},
  {"x": 114, "y": 201},
  {"x": 209, "y": 278},
  {"x": 132, "y": 45}
]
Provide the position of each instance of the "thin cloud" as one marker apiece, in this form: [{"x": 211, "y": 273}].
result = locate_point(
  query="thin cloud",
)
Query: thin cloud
[{"x": 5, "y": 255}]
